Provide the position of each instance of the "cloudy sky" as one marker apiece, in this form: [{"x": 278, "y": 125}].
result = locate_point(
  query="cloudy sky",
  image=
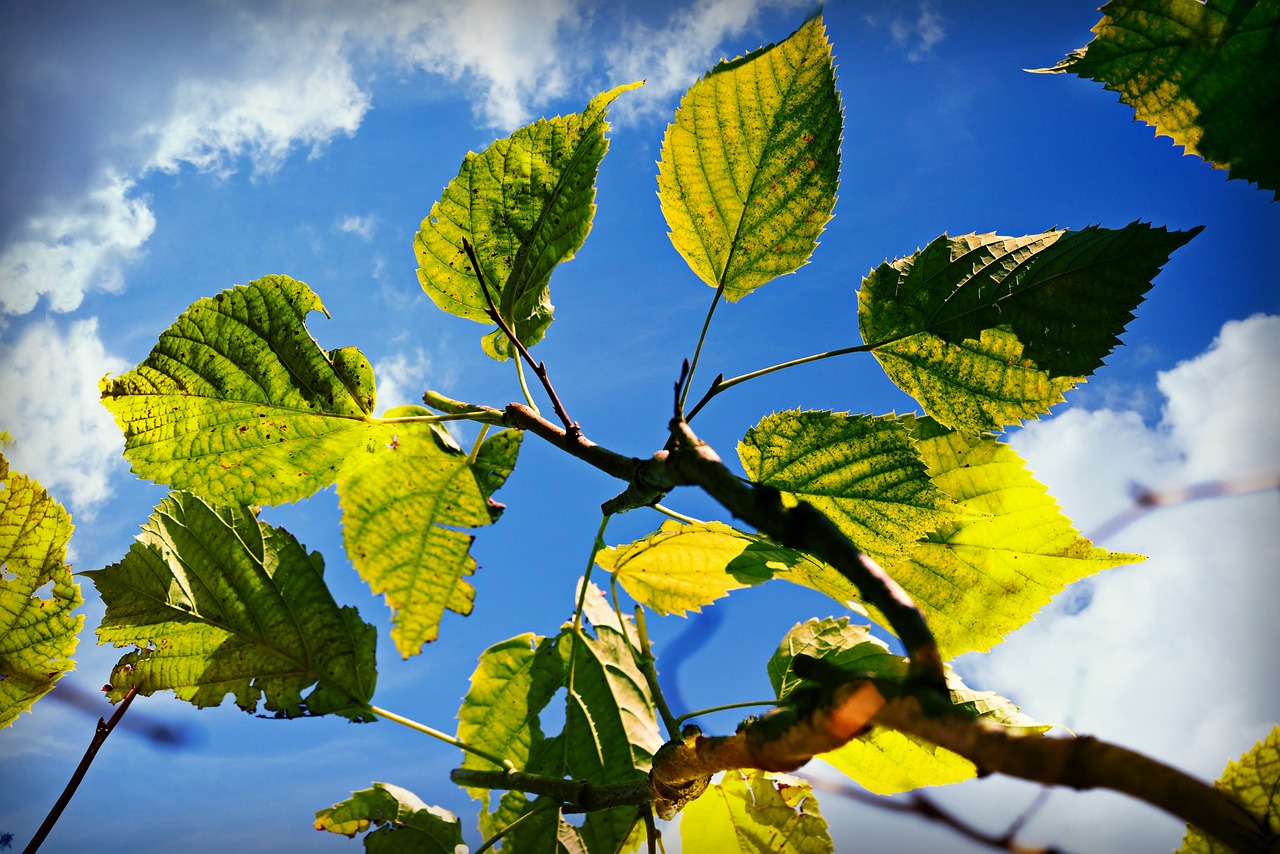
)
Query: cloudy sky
[{"x": 157, "y": 153}]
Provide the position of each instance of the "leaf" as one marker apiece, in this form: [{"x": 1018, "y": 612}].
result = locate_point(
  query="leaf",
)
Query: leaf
[
  {"x": 219, "y": 603},
  {"x": 863, "y": 472},
  {"x": 1006, "y": 553},
  {"x": 238, "y": 403},
  {"x": 1201, "y": 73},
  {"x": 525, "y": 203},
  {"x": 404, "y": 823},
  {"x": 986, "y": 331},
  {"x": 755, "y": 814},
  {"x": 885, "y": 761},
  {"x": 751, "y": 162},
  {"x": 1255, "y": 782},
  {"x": 37, "y": 632},
  {"x": 513, "y": 683},
  {"x": 402, "y": 508}
]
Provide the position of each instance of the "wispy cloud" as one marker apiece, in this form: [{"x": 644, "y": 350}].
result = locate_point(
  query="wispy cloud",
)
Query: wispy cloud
[
  {"x": 1165, "y": 657},
  {"x": 402, "y": 378},
  {"x": 361, "y": 226},
  {"x": 918, "y": 37},
  {"x": 66, "y": 440}
]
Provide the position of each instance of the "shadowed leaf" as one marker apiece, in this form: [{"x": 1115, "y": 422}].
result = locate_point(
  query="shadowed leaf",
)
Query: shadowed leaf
[
  {"x": 1255, "y": 782},
  {"x": 405, "y": 825},
  {"x": 751, "y": 162},
  {"x": 219, "y": 603},
  {"x": 1202, "y": 73}
]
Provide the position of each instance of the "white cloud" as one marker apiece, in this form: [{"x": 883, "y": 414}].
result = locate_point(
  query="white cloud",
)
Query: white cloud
[
  {"x": 919, "y": 36},
  {"x": 1170, "y": 656},
  {"x": 402, "y": 379},
  {"x": 670, "y": 59},
  {"x": 69, "y": 249},
  {"x": 361, "y": 226},
  {"x": 63, "y": 435}
]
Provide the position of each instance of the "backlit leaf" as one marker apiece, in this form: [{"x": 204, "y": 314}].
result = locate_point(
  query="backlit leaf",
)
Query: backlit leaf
[
  {"x": 1255, "y": 782},
  {"x": 751, "y": 163},
  {"x": 37, "y": 631},
  {"x": 756, "y": 813},
  {"x": 525, "y": 203},
  {"x": 1202, "y": 73},
  {"x": 404, "y": 823},
  {"x": 1005, "y": 554},
  {"x": 885, "y": 761},
  {"x": 219, "y": 603},
  {"x": 987, "y": 331},
  {"x": 238, "y": 403},
  {"x": 402, "y": 507},
  {"x": 863, "y": 472}
]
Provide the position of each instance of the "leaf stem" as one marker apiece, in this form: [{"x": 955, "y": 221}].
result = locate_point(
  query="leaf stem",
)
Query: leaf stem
[
  {"x": 596, "y": 546},
  {"x": 475, "y": 447},
  {"x": 524, "y": 385},
  {"x": 679, "y": 517},
  {"x": 100, "y": 734},
  {"x": 722, "y": 384},
  {"x": 743, "y": 705},
  {"x": 493, "y": 840},
  {"x": 442, "y": 736},
  {"x": 646, "y": 665},
  {"x": 697, "y": 351}
]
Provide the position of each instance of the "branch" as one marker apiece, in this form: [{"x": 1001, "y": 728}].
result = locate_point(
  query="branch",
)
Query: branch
[{"x": 579, "y": 795}]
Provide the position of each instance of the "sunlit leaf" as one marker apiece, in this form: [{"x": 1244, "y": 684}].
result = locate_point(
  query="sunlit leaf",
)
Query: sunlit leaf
[
  {"x": 404, "y": 823},
  {"x": 1008, "y": 551},
  {"x": 37, "y": 628},
  {"x": 987, "y": 331},
  {"x": 756, "y": 813},
  {"x": 1255, "y": 783},
  {"x": 219, "y": 603},
  {"x": 403, "y": 506},
  {"x": 863, "y": 472},
  {"x": 525, "y": 203},
  {"x": 1202, "y": 73},
  {"x": 751, "y": 163},
  {"x": 238, "y": 403},
  {"x": 885, "y": 761}
]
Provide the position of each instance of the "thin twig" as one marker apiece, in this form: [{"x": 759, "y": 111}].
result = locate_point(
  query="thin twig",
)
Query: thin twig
[
  {"x": 539, "y": 368},
  {"x": 100, "y": 734},
  {"x": 721, "y": 384}
]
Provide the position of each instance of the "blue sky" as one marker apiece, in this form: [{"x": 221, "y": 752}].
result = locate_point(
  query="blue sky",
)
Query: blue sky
[{"x": 159, "y": 153}]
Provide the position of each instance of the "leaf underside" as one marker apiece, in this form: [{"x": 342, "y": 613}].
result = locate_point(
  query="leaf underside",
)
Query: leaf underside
[
  {"x": 403, "y": 508},
  {"x": 238, "y": 403},
  {"x": 987, "y": 331},
  {"x": 525, "y": 204},
  {"x": 1201, "y": 73},
  {"x": 751, "y": 162},
  {"x": 404, "y": 823},
  {"x": 37, "y": 632},
  {"x": 1255, "y": 782},
  {"x": 756, "y": 811},
  {"x": 219, "y": 603}
]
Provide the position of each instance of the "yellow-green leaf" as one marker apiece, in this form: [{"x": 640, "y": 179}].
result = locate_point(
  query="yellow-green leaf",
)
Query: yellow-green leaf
[
  {"x": 1005, "y": 554},
  {"x": 404, "y": 822},
  {"x": 525, "y": 203},
  {"x": 751, "y": 163},
  {"x": 37, "y": 634},
  {"x": 755, "y": 813},
  {"x": 1202, "y": 73},
  {"x": 987, "y": 331},
  {"x": 863, "y": 472},
  {"x": 402, "y": 508},
  {"x": 1255, "y": 782},
  {"x": 218, "y": 602},
  {"x": 238, "y": 403}
]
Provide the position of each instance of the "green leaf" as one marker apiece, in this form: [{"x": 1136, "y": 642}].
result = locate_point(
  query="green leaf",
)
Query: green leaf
[
  {"x": 885, "y": 761},
  {"x": 1202, "y": 73},
  {"x": 525, "y": 203},
  {"x": 402, "y": 508},
  {"x": 404, "y": 822},
  {"x": 751, "y": 163},
  {"x": 863, "y": 472},
  {"x": 1005, "y": 554},
  {"x": 218, "y": 602},
  {"x": 986, "y": 331},
  {"x": 513, "y": 683},
  {"x": 759, "y": 813},
  {"x": 1255, "y": 782},
  {"x": 238, "y": 403},
  {"x": 37, "y": 634}
]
